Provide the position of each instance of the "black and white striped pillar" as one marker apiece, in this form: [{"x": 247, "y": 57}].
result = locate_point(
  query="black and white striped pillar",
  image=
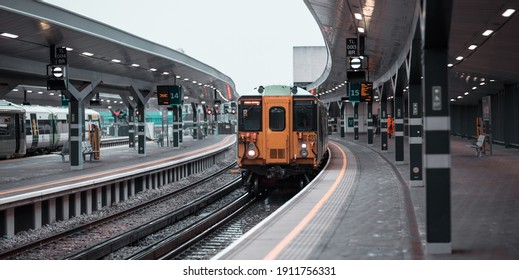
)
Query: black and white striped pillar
[
  {"x": 383, "y": 115},
  {"x": 176, "y": 137},
  {"x": 131, "y": 127},
  {"x": 141, "y": 129},
  {"x": 437, "y": 159},
  {"x": 342, "y": 108},
  {"x": 355, "y": 121},
  {"x": 370, "y": 123},
  {"x": 415, "y": 113},
  {"x": 399, "y": 114}
]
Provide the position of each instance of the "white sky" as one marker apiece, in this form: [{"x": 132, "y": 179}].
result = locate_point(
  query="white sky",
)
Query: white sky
[{"x": 249, "y": 41}]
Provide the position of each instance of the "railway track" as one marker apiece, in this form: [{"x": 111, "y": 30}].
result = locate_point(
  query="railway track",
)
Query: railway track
[{"x": 68, "y": 242}]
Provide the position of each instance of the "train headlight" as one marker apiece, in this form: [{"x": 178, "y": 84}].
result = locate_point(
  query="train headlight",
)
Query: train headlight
[
  {"x": 304, "y": 153},
  {"x": 303, "y": 146},
  {"x": 251, "y": 152}
]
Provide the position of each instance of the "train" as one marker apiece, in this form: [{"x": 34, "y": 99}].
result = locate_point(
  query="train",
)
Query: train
[
  {"x": 282, "y": 136},
  {"x": 33, "y": 129}
]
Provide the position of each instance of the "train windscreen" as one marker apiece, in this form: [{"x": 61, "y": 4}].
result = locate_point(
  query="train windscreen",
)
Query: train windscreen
[
  {"x": 305, "y": 115},
  {"x": 249, "y": 115}
]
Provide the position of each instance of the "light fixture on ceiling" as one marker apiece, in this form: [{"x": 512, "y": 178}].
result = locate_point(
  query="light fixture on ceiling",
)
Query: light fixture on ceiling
[
  {"x": 360, "y": 29},
  {"x": 472, "y": 47},
  {"x": 135, "y": 65},
  {"x": 87, "y": 54},
  {"x": 358, "y": 16},
  {"x": 9, "y": 35},
  {"x": 488, "y": 32},
  {"x": 508, "y": 12}
]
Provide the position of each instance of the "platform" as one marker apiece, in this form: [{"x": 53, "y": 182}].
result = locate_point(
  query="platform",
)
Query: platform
[{"x": 375, "y": 215}]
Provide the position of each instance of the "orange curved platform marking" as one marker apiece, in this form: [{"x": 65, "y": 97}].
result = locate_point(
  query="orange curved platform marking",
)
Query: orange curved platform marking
[{"x": 272, "y": 255}]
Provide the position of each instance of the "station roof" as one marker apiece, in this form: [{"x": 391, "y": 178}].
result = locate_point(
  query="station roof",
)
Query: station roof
[
  {"x": 389, "y": 30},
  {"x": 95, "y": 48}
]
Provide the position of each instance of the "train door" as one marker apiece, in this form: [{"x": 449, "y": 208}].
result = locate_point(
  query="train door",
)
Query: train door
[
  {"x": 20, "y": 133},
  {"x": 277, "y": 110}
]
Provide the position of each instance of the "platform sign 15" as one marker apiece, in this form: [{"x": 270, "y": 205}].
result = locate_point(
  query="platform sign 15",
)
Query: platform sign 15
[
  {"x": 354, "y": 92},
  {"x": 366, "y": 91},
  {"x": 169, "y": 95}
]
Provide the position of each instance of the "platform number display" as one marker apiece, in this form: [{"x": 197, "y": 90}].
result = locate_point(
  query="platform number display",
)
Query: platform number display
[
  {"x": 354, "y": 92},
  {"x": 169, "y": 95}
]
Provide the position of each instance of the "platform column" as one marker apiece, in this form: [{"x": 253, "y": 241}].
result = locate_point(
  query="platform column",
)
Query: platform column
[
  {"x": 176, "y": 130},
  {"x": 181, "y": 122},
  {"x": 383, "y": 116},
  {"x": 355, "y": 121},
  {"x": 141, "y": 129},
  {"x": 399, "y": 114},
  {"x": 437, "y": 161},
  {"x": 370, "y": 123},
  {"x": 415, "y": 113},
  {"x": 343, "y": 108},
  {"x": 131, "y": 127}
]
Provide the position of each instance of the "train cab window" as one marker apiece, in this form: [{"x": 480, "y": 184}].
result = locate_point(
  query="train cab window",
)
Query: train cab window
[
  {"x": 277, "y": 119},
  {"x": 249, "y": 114},
  {"x": 305, "y": 115}
]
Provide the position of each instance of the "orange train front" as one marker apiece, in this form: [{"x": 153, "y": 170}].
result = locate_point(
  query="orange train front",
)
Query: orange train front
[{"x": 282, "y": 136}]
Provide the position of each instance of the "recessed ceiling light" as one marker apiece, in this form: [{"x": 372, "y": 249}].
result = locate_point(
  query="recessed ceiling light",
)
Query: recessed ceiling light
[
  {"x": 360, "y": 29},
  {"x": 165, "y": 73},
  {"x": 460, "y": 97},
  {"x": 116, "y": 60},
  {"x": 466, "y": 93},
  {"x": 450, "y": 65},
  {"x": 358, "y": 16},
  {"x": 87, "y": 54},
  {"x": 509, "y": 12},
  {"x": 69, "y": 49},
  {"x": 488, "y": 32},
  {"x": 474, "y": 87},
  {"x": 459, "y": 58},
  {"x": 9, "y": 35},
  {"x": 135, "y": 65},
  {"x": 472, "y": 47},
  {"x": 177, "y": 76},
  {"x": 452, "y": 99},
  {"x": 153, "y": 69}
]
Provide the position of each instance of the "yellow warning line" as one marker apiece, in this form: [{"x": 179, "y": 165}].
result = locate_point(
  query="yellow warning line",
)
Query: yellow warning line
[{"x": 272, "y": 255}]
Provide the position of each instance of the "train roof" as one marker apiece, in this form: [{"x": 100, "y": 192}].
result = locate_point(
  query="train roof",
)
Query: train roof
[
  {"x": 277, "y": 90},
  {"x": 10, "y": 106}
]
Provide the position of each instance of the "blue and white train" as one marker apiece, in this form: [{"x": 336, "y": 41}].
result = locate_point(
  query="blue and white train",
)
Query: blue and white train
[{"x": 32, "y": 129}]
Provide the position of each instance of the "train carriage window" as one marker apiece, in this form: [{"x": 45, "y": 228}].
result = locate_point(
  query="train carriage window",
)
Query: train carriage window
[
  {"x": 5, "y": 121},
  {"x": 28, "y": 127},
  {"x": 305, "y": 115},
  {"x": 277, "y": 118},
  {"x": 249, "y": 114}
]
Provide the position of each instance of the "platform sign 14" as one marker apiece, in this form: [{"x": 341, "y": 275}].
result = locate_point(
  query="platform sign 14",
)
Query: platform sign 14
[{"x": 169, "y": 95}]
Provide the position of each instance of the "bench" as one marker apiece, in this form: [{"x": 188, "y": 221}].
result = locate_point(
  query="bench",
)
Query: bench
[
  {"x": 479, "y": 145},
  {"x": 86, "y": 149}
]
